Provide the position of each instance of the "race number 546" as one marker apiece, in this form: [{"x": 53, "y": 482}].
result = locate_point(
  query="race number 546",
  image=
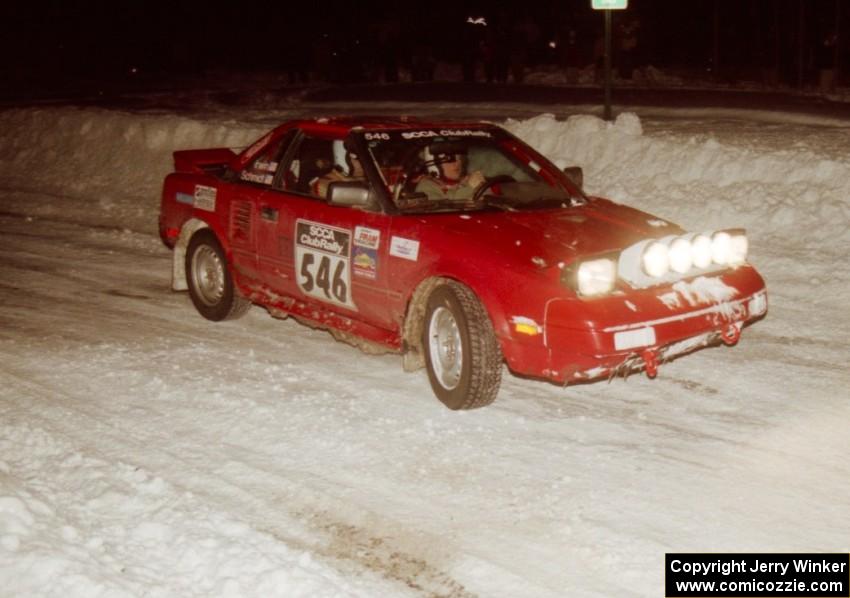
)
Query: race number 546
[
  {"x": 323, "y": 262},
  {"x": 324, "y": 277}
]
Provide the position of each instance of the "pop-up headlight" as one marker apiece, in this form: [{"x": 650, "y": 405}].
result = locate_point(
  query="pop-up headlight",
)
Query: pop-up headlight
[
  {"x": 596, "y": 277},
  {"x": 592, "y": 277}
]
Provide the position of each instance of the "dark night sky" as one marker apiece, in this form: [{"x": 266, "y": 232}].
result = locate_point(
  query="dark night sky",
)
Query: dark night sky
[{"x": 74, "y": 39}]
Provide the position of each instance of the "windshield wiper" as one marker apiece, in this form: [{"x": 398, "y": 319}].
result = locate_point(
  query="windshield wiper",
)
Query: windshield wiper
[
  {"x": 437, "y": 205},
  {"x": 506, "y": 203},
  {"x": 515, "y": 204},
  {"x": 543, "y": 203}
]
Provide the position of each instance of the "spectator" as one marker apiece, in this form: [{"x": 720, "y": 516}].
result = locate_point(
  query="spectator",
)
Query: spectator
[
  {"x": 825, "y": 62},
  {"x": 627, "y": 34},
  {"x": 569, "y": 55},
  {"x": 388, "y": 44}
]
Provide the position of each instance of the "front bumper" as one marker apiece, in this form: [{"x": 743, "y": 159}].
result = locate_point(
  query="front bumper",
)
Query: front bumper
[{"x": 611, "y": 343}]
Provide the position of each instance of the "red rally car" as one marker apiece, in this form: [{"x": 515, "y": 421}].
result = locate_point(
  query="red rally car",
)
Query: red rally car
[{"x": 454, "y": 244}]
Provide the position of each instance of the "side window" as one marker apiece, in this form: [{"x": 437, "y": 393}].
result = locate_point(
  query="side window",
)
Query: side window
[
  {"x": 313, "y": 159},
  {"x": 262, "y": 170}
]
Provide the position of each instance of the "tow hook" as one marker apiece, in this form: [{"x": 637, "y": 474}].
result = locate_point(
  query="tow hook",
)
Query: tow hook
[
  {"x": 731, "y": 334},
  {"x": 650, "y": 361}
]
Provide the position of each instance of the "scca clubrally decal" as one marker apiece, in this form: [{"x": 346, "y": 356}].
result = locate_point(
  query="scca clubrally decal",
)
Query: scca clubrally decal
[{"x": 323, "y": 262}]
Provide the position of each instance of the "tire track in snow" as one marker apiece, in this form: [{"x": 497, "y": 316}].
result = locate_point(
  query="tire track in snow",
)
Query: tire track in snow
[{"x": 346, "y": 543}]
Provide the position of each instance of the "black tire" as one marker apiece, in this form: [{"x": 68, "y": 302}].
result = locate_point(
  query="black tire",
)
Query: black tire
[
  {"x": 209, "y": 280},
  {"x": 462, "y": 355}
]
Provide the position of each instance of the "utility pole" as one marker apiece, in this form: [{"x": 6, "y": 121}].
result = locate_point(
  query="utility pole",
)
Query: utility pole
[
  {"x": 801, "y": 52},
  {"x": 715, "y": 43},
  {"x": 608, "y": 76},
  {"x": 607, "y": 6},
  {"x": 838, "y": 42}
]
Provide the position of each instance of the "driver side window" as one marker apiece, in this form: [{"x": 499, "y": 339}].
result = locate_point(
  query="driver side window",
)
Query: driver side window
[
  {"x": 262, "y": 170},
  {"x": 312, "y": 160}
]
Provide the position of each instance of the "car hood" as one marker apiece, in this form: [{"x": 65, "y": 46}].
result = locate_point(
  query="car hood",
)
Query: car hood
[{"x": 559, "y": 236}]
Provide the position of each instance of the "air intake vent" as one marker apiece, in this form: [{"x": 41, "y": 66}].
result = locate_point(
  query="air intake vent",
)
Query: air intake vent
[{"x": 240, "y": 221}]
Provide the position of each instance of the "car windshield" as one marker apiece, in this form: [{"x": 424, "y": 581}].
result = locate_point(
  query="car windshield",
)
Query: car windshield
[{"x": 449, "y": 170}]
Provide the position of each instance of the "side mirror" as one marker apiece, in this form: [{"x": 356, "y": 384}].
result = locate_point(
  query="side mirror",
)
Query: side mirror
[
  {"x": 576, "y": 175},
  {"x": 352, "y": 194}
]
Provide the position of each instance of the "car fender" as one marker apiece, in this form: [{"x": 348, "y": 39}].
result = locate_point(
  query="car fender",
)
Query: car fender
[
  {"x": 493, "y": 297},
  {"x": 178, "y": 257}
]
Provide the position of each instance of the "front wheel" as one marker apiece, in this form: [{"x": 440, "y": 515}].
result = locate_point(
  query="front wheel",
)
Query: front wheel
[
  {"x": 462, "y": 355},
  {"x": 210, "y": 284}
]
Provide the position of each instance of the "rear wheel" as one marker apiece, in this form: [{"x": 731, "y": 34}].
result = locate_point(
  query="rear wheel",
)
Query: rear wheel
[
  {"x": 208, "y": 277},
  {"x": 462, "y": 355}
]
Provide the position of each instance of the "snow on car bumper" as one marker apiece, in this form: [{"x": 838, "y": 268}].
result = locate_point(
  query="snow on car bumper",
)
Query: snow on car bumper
[
  {"x": 624, "y": 348},
  {"x": 610, "y": 341}
]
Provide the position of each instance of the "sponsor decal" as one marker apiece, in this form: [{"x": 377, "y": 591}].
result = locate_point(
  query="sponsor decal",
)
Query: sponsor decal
[
  {"x": 323, "y": 237},
  {"x": 364, "y": 262},
  {"x": 265, "y": 165},
  {"x": 369, "y": 238},
  {"x": 204, "y": 198},
  {"x": 256, "y": 177},
  {"x": 407, "y": 249},
  {"x": 445, "y": 133},
  {"x": 323, "y": 262},
  {"x": 185, "y": 198}
]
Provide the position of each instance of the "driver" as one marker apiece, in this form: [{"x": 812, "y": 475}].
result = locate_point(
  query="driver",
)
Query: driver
[{"x": 451, "y": 181}]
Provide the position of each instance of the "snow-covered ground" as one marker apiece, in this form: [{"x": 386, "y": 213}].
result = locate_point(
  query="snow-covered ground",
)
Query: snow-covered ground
[{"x": 146, "y": 451}]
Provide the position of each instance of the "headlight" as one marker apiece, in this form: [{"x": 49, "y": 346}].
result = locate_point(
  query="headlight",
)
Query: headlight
[
  {"x": 596, "y": 277},
  {"x": 681, "y": 255},
  {"x": 738, "y": 248},
  {"x": 701, "y": 246},
  {"x": 721, "y": 248},
  {"x": 651, "y": 262},
  {"x": 655, "y": 259}
]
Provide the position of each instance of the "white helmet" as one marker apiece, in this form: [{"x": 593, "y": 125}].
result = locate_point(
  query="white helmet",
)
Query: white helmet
[
  {"x": 341, "y": 157},
  {"x": 431, "y": 164}
]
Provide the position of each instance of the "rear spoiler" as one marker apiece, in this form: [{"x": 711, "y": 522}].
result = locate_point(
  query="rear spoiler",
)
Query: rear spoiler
[{"x": 203, "y": 160}]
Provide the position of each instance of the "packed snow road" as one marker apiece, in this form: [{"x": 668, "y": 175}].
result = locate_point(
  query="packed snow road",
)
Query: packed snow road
[{"x": 146, "y": 451}]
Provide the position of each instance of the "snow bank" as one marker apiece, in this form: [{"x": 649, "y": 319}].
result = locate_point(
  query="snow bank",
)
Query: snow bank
[
  {"x": 112, "y": 163},
  {"x": 118, "y": 160},
  {"x": 703, "y": 184}
]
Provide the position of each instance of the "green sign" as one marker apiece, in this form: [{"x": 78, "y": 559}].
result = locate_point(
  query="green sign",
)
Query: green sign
[{"x": 610, "y": 4}]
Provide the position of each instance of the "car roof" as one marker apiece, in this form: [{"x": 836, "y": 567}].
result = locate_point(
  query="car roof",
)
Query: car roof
[{"x": 343, "y": 125}]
